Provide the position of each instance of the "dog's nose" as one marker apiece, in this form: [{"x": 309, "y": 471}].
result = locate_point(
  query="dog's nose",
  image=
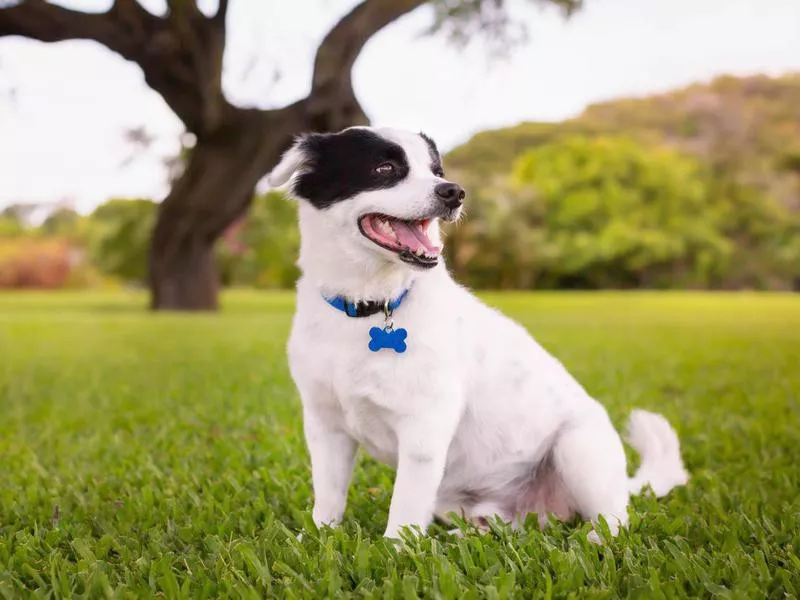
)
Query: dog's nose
[{"x": 451, "y": 194}]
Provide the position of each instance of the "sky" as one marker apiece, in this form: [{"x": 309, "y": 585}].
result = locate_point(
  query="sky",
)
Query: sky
[{"x": 62, "y": 128}]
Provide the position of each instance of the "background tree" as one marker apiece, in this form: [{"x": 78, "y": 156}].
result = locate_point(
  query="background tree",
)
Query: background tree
[
  {"x": 180, "y": 54},
  {"x": 262, "y": 250},
  {"x": 117, "y": 238},
  {"x": 618, "y": 214},
  {"x": 19, "y": 215},
  {"x": 62, "y": 221}
]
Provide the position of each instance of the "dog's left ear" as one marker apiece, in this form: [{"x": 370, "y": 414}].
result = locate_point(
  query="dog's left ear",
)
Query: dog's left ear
[{"x": 293, "y": 161}]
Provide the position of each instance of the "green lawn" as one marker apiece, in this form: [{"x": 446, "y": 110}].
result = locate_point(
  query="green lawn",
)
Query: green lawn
[{"x": 163, "y": 456}]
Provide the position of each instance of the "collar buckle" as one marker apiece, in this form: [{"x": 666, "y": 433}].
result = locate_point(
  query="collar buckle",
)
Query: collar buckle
[{"x": 388, "y": 323}]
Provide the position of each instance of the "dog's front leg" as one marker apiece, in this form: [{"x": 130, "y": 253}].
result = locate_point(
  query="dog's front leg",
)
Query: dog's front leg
[
  {"x": 332, "y": 454},
  {"x": 422, "y": 455}
]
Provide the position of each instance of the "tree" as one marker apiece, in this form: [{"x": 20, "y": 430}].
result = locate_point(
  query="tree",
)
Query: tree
[
  {"x": 181, "y": 57},
  {"x": 117, "y": 237},
  {"x": 619, "y": 214},
  {"x": 63, "y": 221},
  {"x": 21, "y": 214},
  {"x": 595, "y": 212},
  {"x": 262, "y": 250}
]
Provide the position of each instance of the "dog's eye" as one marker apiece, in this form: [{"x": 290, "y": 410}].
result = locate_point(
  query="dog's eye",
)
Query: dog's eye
[
  {"x": 439, "y": 172},
  {"x": 384, "y": 169}
]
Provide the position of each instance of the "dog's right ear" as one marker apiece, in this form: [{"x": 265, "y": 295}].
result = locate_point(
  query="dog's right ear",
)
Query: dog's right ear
[{"x": 293, "y": 161}]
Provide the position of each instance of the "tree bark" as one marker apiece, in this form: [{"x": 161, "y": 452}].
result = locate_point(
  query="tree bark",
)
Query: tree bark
[{"x": 215, "y": 189}]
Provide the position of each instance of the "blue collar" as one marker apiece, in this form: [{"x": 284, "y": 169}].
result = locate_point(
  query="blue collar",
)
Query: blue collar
[{"x": 364, "y": 308}]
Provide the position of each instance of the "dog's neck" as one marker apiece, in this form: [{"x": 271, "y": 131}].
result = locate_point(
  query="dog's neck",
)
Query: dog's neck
[{"x": 336, "y": 268}]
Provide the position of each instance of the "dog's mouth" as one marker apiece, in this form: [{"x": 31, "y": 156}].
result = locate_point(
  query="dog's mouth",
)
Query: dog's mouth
[{"x": 408, "y": 239}]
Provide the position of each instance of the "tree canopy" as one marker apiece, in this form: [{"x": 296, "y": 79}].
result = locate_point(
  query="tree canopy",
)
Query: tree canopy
[{"x": 595, "y": 213}]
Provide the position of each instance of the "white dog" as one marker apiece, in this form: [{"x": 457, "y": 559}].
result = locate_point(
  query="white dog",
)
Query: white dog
[{"x": 390, "y": 354}]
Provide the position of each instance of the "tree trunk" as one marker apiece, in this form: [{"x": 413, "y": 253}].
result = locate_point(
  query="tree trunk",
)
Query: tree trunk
[
  {"x": 186, "y": 279},
  {"x": 215, "y": 189}
]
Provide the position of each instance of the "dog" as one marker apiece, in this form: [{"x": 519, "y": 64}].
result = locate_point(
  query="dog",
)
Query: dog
[{"x": 390, "y": 354}]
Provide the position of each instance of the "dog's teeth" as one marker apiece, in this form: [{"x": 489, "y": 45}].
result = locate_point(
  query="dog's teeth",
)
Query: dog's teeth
[
  {"x": 386, "y": 228},
  {"x": 420, "y": 252}
]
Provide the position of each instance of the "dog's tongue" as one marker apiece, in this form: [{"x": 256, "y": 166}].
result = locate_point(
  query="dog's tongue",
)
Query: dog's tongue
[{"x": 412, "y": 236}]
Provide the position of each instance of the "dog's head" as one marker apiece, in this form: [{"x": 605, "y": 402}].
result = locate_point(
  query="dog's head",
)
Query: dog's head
[{"x": 380, "y": 190}]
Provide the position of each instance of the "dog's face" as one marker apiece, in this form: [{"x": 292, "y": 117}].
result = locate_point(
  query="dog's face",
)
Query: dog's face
[{"x": 384, "y": 190}]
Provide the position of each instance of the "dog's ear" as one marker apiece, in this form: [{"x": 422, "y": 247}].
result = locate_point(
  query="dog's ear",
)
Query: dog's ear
[{"x": 294, "y": 160}]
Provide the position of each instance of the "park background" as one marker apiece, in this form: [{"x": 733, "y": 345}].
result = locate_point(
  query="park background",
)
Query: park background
[
  {"x": 633, "y": 179},
  {"x": 698, "y": 188},
  {"x": 666, "y": 151}
]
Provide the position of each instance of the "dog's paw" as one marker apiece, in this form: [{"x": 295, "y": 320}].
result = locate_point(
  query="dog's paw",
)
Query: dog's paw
[
  {"x": 404, "y": 532},
  {"x": 594, "y": 537}
]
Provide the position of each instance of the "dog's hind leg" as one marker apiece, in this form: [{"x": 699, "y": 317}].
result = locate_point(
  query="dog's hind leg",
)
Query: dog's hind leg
[{"x": 589, "y": 459}]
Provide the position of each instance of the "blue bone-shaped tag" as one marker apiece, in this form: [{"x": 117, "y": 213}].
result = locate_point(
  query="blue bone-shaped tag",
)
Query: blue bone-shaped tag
[{"x": 393, "y": 339}]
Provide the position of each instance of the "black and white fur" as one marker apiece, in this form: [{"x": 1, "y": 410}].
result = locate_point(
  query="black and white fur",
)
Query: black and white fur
[{"x": 476, "y": 417}]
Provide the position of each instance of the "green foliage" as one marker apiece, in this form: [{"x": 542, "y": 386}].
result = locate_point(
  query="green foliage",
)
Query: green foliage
[
  {"x": 63, "y": 222},
  {"x": 728, "y": 219},
  {"x": 491, "y": 153},
  {"x": 462, "y": 21},
  {"x": 119, "y": 236},
  {"x": 615, "y": 214},
  {"x": 262, "y": 251},
  {"x": 10, "y": 226},
  {"x": 20, "y": 214},
  {"x": 163, "y": 457},
  {"x": 595, "y": 213}
]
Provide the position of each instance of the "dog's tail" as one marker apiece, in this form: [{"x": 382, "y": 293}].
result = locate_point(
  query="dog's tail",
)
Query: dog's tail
[{"x": 657, "y": 443}]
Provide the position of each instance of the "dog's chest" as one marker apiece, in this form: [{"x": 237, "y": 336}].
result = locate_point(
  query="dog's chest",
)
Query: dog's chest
[
  {"x": 369, "y": 397},
  {"x": 366, "y": 391}
]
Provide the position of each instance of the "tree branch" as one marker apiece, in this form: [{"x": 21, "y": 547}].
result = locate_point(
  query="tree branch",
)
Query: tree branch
[
  {"x": 39, "y": 20},
  {"x": 222, "y": 12},
  {"x": 178, "y": 7},
  {"x": 130, "y": 15},
  {"x": 332, "y": 103},
  {"x": 339, "y": 50},
  {"x": 180, "y": 55}
]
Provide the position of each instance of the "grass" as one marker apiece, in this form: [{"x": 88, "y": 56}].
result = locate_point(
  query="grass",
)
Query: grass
[{"x": 162, "y": 456}]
